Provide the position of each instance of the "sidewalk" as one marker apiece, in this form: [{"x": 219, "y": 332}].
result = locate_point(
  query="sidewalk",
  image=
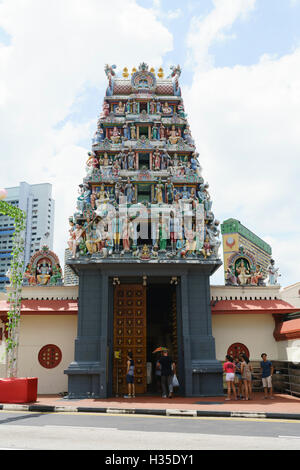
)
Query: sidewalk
[{"x": 281, "y": 407}]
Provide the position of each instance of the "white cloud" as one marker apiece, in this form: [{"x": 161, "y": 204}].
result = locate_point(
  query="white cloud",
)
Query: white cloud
[
  {"x": 214, "y": 27},
  {"x": 246, "y": 123},
  {"x": 57, "y": 49}
]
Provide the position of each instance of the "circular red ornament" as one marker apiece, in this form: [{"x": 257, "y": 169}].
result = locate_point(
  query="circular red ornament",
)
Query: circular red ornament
[
  {"x": 50, "y": 356},
  {"x": 236, "y": 349}
]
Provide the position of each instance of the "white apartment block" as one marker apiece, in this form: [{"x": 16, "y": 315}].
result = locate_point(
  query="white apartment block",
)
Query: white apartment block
[{"x": 36, "y": 200}]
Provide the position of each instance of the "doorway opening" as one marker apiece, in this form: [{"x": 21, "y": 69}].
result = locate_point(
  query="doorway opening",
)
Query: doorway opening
[{"x": 161, "y": 329}]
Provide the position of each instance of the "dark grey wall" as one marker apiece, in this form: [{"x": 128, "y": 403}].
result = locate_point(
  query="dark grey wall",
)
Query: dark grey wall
[{"x": 90, "y": 374}]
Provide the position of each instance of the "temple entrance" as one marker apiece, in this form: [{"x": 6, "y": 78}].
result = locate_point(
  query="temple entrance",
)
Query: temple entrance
[
  {"x": 161, "y": 329},
  {"x": 145, "y": 318},
  {"x": 129, "y": 336}
]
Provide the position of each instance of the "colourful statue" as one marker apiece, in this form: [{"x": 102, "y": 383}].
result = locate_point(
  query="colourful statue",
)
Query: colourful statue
[
  {"x": 159, "y": 192},
  {"x": 206, "y": 250},
  {"x": 243, "y": 273},
  {"x": 143, "y": 152},
  {"x": 156, "y": 159},
  {"x": 273, "y": 273},
  {"x": 169, "y": 191},
  {"x": 120, "y": 108},
  {"x": 166, "y": 109},
  {"x": 256, "y": 276}
]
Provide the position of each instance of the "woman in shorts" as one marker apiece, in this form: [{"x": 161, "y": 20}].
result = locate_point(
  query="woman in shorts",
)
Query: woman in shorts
[
  {"x": 238, "y": 376},
  {"x": 246, "y": 370},
  {"x": 229, "y": 369}
]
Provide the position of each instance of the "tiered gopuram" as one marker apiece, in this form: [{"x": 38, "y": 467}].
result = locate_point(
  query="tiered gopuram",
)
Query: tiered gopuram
[{"x": 143, "y": 195}]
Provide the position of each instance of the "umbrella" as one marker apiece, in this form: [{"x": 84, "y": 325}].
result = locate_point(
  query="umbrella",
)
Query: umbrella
[{"x": 160, "y": 349}]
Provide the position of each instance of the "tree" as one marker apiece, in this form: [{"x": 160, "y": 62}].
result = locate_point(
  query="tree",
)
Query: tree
[{"x": 16, "y": 278}]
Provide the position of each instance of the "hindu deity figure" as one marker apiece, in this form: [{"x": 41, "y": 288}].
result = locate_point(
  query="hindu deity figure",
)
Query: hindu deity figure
[
  {"x": 181, "y": 112},
  {"x": 106, "y": 161},
  {"x": 206, "y": 250},
  {"x": 129, "y": 191},
  {"x": 190, "y": 243},
  {"x": 128, "y": 107},
  {"x": 155, "y": 132},
  {"x": 120, "y": 108},
  {"x": 230, "y": 277},
  {"x": 273, "y": 273},
  {"x": 166, "y": 109},
  {"x": 105, "y": 110},
  {"x": 56, "y": 275},
  {"x": 116, "y": 168},
  {"x": 115, "y": 136},
  {"x": 187, "y": 135},
  {"x": 118, "y": 190},
  {"x": 173, "y": 135},
  {"x": 90, "y": 236},
  {"x": 98, "y": 136},
  {"x": 84, "y": 197},
  {"x": 152, "y": 107},
  {"x": 133, "y": 132},
  {"x": 135, "y": 107},
  {"x": 92, "y": 163},
  {"x": 162, "y": 132},
  {"x": 131, "y": 159},
  {"x": 43, "y": 273},
  {"x": 159, "y": 192},
  {"x": 194, "y": 162},
  {"x": 101, "y": 201},
  {"x": 256, "y": 276},
  {"x": 169, "y": 191},
  {"x": 165, "y": 160},
  {"x": 185, "y": 193},
  {"x": 29, "y": 275},
  {"x": 243, "y": 273},
  {"x": 76, "y": 239},
  {"x": 126, "y": 132},
  {"x": 158, "y": 107},
  {"x": 126, "y": 235},
  {"x": 204, "y": 196},
  {"x": 157, "y": 159}
]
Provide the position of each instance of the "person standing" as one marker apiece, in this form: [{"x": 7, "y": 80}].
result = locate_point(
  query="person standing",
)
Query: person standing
[
  {"x": 229, "y": 369},
  {"x": 167, "y": 370},
  {"x": 246, "y": 371},
  {"x": 238, "y": 376},
  {"x": 267, "y": 372},
  {"x": 130, "y": 376}
]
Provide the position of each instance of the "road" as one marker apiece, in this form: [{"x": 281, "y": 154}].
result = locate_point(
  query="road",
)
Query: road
[{"x": 94, "y": 431}]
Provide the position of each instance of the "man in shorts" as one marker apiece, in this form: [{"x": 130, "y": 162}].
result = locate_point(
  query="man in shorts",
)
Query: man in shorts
[{"x": 267, "y": 372}]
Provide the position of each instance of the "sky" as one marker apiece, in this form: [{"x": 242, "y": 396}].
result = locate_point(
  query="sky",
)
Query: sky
[{"x": 240, "y": 84}]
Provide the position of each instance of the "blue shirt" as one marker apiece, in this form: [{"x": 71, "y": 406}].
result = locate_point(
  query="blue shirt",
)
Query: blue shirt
[{"x": 266, "y": 367}]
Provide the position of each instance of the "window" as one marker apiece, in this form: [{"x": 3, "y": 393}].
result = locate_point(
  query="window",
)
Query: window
[{"x": 236, "y": 349}]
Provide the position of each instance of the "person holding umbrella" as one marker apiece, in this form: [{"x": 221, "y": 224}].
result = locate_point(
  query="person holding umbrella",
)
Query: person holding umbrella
[{"x": 167, "y": 366}]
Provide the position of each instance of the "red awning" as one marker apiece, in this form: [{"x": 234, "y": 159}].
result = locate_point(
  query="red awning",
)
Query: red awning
[
  {"x": 43, "y": 307},
  {"x": 287, "y": 330},
  {"x": 274, "y": 306}
]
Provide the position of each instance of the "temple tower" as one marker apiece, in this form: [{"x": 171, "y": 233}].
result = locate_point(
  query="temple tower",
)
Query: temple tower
[{"x": 144, "y": 243}]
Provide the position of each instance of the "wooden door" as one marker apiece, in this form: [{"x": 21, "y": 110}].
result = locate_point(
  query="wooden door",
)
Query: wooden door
[{"x": 130, "y": 336}]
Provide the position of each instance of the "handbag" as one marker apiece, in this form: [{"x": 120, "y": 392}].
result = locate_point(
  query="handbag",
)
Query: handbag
[{"x": 175, "y": 381}]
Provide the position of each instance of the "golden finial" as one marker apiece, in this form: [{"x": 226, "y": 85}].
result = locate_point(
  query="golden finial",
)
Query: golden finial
[
  {"x": 160, "y": 72},
  {"x": 133, "y": 70},
  {"x": 125, "y": 72},
  {"x": 152, "y": 70}
]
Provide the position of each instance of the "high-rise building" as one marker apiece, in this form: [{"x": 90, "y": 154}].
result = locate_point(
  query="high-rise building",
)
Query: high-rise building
[{"x": 36, "y": 200}]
